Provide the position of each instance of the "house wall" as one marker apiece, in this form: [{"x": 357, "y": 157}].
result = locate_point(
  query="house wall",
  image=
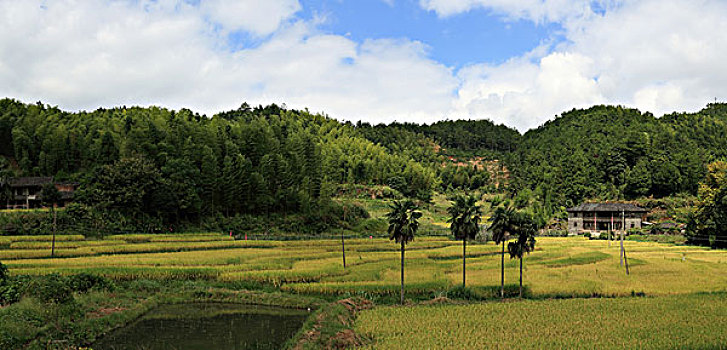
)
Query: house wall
[
  {"x": 575, "y": 225},
  {"x": 576, "y": 222}
]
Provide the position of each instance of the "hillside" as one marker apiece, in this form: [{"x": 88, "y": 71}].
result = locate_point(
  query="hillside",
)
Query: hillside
[
  {"x": 149, "y": 168},
  {"x": 156, "y": 167},
  {"x": 614, "y": 152}
]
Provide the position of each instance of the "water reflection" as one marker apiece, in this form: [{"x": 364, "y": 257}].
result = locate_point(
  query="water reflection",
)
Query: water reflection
[{"x": 207, "y": 326}]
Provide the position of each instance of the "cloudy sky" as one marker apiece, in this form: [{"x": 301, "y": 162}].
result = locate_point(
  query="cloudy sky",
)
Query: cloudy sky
[{"x": 517, "y": 62}]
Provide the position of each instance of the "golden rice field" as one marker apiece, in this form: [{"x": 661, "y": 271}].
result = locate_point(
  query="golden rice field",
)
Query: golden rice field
[
  {"x": 696, "y": 321},
  {"x": 558, "y": 267}
]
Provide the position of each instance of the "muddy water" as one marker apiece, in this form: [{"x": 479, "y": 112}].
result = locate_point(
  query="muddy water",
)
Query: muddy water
[{"x": 207, "y": 326}]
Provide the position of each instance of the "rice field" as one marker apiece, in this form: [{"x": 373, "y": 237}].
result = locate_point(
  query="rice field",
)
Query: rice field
[
  {"x": 694, "y": 321},
  {"x": 560, "y": 267}
]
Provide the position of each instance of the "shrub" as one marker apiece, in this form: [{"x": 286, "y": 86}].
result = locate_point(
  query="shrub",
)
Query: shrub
[
  {"x": 83, "y": 282},
  {"x": 587, "y": 235},
  {"x": 52, "y": 288},
  {"x": 10, "y": 293},
  {"x": 3, "y": 273}
]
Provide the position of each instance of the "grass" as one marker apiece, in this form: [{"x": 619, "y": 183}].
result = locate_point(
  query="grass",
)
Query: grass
[{"x": 686, "y": 321}]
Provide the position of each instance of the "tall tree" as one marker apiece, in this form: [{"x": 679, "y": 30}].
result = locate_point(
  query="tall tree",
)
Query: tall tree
[
  {"x": 403, "y": 218},
  {"x": 464, "y": 222},
  {"x": 525, "y": 226}
]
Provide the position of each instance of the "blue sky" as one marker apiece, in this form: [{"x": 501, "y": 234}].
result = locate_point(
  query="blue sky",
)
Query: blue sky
[
  {"x": 472, "y": 37},
  {"x": 517, "y": 62}
]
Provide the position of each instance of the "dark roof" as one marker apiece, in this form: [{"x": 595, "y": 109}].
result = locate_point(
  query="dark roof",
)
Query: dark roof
[
  {"x": 30, "y": 181},
  {"x": 591, "y": 207}
]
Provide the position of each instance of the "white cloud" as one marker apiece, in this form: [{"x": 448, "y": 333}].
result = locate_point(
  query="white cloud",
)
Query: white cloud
[
  {"x": 91, "y": 54},
  {"x": 255, "y": 16},
  {"x": 534, "y": 10},
  {"x": 656, "y": 55}
]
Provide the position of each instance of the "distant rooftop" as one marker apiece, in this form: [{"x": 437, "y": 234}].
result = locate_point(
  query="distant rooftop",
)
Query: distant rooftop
[
  {"x": 30, "y": 181},
  {"x": 591, "y": 207}
]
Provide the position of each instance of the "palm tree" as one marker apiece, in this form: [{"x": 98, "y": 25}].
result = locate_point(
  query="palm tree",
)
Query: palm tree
[
  {"x": 501, "y": 225},
  {"x": 464, "y": 223},
  {"x": 403, "y": 225},
  {"x": 525, "y": 226}
]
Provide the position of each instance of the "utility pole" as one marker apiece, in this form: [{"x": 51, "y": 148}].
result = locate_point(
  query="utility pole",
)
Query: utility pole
[
  {"x": 623, "y": 231},
  {"x": 343, "y": 243},
  {"x": 53, "y": 245}
]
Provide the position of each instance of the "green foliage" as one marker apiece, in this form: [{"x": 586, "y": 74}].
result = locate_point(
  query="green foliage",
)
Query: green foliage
[
  {"x": 152, "y": 169},
  {"x": 613, "y": 152},
  {"x": 525, "y": 226},
  {"x": 501, "y": 223},
  {"x": 84, "y": 282},
  {"x": 465, "y": 216},
  {"x": 50, "y": 194},
  {"x": 708, "y": 225},
  {"x": 51, "y": 288},
  {"x": 467, "y": 135},
  {"x": 3, "y": 273},
  {"x": 403, "y": 219}
]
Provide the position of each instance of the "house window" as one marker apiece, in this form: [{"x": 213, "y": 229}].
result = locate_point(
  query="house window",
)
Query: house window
[
  {"x": 632, "y": 225},
  {"x": 575, "y": 224}
]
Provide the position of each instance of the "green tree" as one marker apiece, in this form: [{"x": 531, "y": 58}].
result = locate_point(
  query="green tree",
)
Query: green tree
[
  {"x": 131, "y": 186},
  {"x": 108, "y": 152},
  {"x": 638, "y": 180},
  {"x": 5, "y": 175},
  {"x": 464, "y": 222},
  {"x": 501, "y": 226},
  {"x": 708, "y": 224},
  {"x": 403, "y": 218},
  {"x": 525, "y": 226}
]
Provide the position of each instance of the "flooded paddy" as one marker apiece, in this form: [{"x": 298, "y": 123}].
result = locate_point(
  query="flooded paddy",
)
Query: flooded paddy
[{"x": 207, "y": 326}]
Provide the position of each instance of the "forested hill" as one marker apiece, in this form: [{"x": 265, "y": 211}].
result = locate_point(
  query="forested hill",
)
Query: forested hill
[
  {"x": 468, "y": 136},
  {"x": 161, "y": 166},
  {"x": 271, "y": 159},
  {"x": 614, "y": 152}
]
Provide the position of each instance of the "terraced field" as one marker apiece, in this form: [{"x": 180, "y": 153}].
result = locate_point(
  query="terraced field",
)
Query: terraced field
[{"x": 559, "y": 267}]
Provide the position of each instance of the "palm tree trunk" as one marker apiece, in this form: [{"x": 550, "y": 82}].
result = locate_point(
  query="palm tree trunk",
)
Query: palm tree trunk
[
  {"x": 464, "y": 261},
  {"x": 521, "y": 277},
  {"x": 402, "y": 272},
  {"x": 502, "y": 271}
]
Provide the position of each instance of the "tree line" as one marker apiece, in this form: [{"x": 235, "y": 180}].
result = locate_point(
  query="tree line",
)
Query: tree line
[{"x": 155, "y": 167}]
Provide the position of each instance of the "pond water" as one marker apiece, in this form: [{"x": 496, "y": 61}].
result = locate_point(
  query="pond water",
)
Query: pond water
[{"x": 207, "y": 326}]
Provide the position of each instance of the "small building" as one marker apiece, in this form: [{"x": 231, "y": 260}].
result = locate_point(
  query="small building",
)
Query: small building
[
  {"x": 602, "y": 217},
  {"x": 25, "y": 192}
]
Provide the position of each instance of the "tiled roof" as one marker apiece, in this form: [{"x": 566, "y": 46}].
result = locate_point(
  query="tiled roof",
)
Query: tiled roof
[
  {"x": 30, "y": 181},
  {"x": 591, "y": 207}
]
